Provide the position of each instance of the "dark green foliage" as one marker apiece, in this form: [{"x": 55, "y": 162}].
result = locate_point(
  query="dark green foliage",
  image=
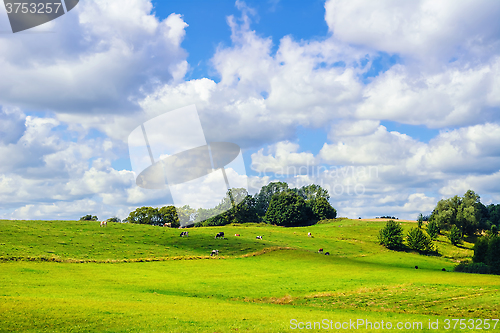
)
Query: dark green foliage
[
  {"x": 265, "y": 195},
  {"x": 113, "y": 219},
  {"x": 418, "y": 240},
  {"x": 480, "y": 250},
  {"x": 169, "y": 215},
  {"x": 493, "y": 255},
  {"x": 89, "y": 218},
  {"x": 455, "y": 236},
  {"x": 322, "y": 210},
  {"x": 432, "y": 229},
  {"x": 478, "y": 268},
  {"x": 391, "y": 236},
  {"x": 286, "y": 209},
  {"x": 494, "y": 230}
]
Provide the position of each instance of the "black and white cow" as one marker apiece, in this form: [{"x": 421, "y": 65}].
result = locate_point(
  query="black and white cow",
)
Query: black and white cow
[
  {"x": 184, "y": 233},
  {"x": 327, "y": 253},
  {"x": 219, "y": 235},
  {"x": 214, "y": 253},
  {"x": 320, "y": 251},
  {"x": 258, "y": 237}
]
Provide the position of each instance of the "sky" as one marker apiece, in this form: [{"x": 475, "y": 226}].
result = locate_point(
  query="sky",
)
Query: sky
[{"x": 390, "y": 105}]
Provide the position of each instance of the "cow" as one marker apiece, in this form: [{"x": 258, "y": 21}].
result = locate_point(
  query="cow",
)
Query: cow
[
  {"x": 258, "y": 237},
  {"x": 184, "y": 233},
  {"x": 167, "y": 225},
  {"x": 416, "y": 267},
  {"x": 309, "y": 234},
  {"x": 327, "y": 253},
  {"x": 104, "y": 223},
  {"x": 214, "y": 253},
  {"x": 237, "y": 235},
  {"x": 444, "y": 270},
  {"x": 320, "y": 251},
  {"x": 219, "y": 235}
]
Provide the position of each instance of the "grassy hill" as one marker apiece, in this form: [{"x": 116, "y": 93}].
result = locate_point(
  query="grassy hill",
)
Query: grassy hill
[{"x": 74, "y": 275}]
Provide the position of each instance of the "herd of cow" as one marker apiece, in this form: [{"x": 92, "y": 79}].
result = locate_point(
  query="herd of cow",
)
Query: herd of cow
[{"x": 221, "y": 235}]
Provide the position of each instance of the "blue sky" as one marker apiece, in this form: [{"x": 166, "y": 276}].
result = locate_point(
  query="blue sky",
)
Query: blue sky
[{"x": 389, "y": 115}]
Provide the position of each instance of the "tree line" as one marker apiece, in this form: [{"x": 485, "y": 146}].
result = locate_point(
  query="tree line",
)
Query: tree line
[{"x": 275, "y": 203}]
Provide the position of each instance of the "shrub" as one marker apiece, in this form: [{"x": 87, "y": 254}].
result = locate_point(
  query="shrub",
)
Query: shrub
[
  {"x": 432, "y": 229},
  {"x": 418, "y": 240},
  {"x": 391, "y": 236},
  {"x": 455, "y": 236},
  {"x": 478, "y": 268}
]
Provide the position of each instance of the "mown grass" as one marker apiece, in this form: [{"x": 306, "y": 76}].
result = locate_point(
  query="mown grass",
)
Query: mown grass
[{"x": 254, "y": 286}]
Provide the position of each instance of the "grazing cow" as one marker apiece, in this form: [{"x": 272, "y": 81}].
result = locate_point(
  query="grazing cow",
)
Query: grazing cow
[
  {"x": 320, "y": 251},
  {"x": 214, "y": 253},
  {"x": 219, "y": 235},
  {"x": 237, "y": 235},
  {"x": 416, "y": 267},
  {"x": 258, "y": 237},
  {"x": 103, "y": 224},
  {"x": 167, "y": 225},
  {"x": 184, "y": 233},
  {"x": 444, "y": 269},
  {"x": 309, "y": 234},
  {"x": 327, "y": 253}
]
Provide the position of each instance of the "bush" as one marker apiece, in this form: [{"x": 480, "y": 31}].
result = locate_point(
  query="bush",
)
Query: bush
[
  {"x": 478, "y": 268},
  {"x": 418, "y": 240},
  {"x": 432, "y": 229},
  {"x": 88, "y": 218},
  {"x": 391, "y": 236},
  {"x": 455, "y": 236}
]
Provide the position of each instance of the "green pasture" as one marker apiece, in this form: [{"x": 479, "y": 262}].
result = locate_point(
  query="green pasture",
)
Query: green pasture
[{"x": 68, "y": 276}]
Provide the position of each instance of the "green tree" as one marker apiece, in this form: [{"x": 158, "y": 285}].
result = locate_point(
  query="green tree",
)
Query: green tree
[
  {"x": 455, "y": 235},
  {"x": 286, "y": 209},
  {"x": 480, "y": 250},
  {"x": 113, "y": 219},
  {"x": 420, "y": 220},
  {"x": 265, "y": 195},
  {"x": 432, "y": 229},
  {"x": 145, "y": 215},
  {"x": 313, "y": 191},
  {"x": 493, "y": 255},
  {"x": 322, "y": 210},
  {"x": 169, "y": 215},
  {"x": 89, "y": 218},
  {"x": 418, "y": 240},
  {"x": 391, "y": 236}
]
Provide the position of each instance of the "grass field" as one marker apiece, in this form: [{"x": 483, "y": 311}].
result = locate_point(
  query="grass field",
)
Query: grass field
[{"x": 73, "y": 276}]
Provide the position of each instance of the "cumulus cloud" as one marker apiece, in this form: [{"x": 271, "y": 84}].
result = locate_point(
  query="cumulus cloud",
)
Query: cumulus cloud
[{"x": 101, "y": 57}]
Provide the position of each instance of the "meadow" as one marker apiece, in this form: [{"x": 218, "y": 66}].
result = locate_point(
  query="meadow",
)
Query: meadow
[{"x": 74, "y": 276}]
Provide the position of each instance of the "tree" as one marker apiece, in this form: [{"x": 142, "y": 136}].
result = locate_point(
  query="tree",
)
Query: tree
[
  {"x": 391, "y": 236},
  {"x": 493, "y": 255},
  {"x": 480, "y": 250},
  {"x": 432, "y": 229},
  {"x": 265, "y": 195},
  {"x": 113, "y": 219},
  {"x": 186, "y": 215},
  {"x": 313, "y": 191},
  {"x": 286, "y": 209},
  {"x": 418, "y": 240},
  {"x": 89, "y": 218},
  {"x": 455, "y": 236},
  {"x": 322, "y": 210},
  {"x": 420, "y": 220},
  {"x": 169, "y": 215}
]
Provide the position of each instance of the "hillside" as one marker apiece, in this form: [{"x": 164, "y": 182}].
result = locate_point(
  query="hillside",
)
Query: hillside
[{"x": 254, "y": 285}]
